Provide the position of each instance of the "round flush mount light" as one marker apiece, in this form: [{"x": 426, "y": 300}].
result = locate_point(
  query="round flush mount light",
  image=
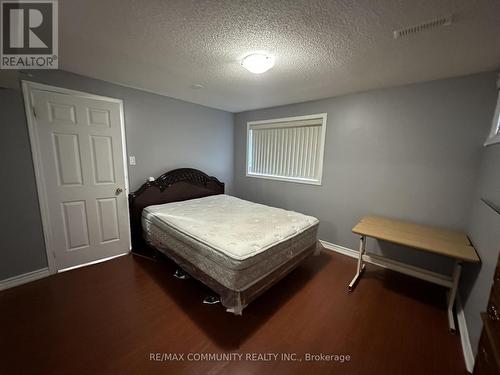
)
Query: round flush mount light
[{"x": 258, "y": 63}]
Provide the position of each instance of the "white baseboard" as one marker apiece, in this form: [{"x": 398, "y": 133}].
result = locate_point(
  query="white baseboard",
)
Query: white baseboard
[
  {"x": 44, "y": 272},
  {"x": 339, "y": 249},
  {"x": 464, "y": 335},
  {"x": 24, "y": 278},
  {"x": 462, "y": 324}
]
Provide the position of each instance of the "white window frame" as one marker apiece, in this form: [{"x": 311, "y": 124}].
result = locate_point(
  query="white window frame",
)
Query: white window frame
[
  {"x": 494, "y": 136},
  {"x": 277, "y": 122}
]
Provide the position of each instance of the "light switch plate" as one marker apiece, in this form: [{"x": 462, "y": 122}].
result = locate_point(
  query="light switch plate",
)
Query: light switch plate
[{"x": 131, "y": 160}]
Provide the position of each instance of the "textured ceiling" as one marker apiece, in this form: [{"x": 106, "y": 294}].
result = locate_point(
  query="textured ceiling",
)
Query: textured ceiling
[{"x": 322, "y": 48}]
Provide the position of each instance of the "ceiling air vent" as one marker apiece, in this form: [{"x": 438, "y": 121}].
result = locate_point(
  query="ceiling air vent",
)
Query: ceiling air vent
[{"x": 415, "y": 29}]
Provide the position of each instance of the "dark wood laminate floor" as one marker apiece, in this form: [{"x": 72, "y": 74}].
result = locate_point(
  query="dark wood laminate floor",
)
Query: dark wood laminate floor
[{"x": 109, "y": 317}]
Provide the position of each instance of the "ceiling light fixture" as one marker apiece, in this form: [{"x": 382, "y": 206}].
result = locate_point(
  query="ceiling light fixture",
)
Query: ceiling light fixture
[{"x": 258, "y": 63}]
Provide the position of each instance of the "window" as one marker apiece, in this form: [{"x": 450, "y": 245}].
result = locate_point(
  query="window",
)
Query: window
[
  {"x": 494, "y": 136},
  {"x": 288, "y": 149}
]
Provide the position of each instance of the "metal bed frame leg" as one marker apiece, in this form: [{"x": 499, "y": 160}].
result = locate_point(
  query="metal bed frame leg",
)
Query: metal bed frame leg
[
  {"x": 457, "y": 269},
  {"x": 361, "y": 264}
]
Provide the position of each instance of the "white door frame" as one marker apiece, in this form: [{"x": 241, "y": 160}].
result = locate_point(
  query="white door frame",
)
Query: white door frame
[{"x": 28, "y": 87}]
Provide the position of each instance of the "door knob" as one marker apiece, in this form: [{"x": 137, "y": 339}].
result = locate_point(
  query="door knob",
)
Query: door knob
[{"x": 118, "y": 191}]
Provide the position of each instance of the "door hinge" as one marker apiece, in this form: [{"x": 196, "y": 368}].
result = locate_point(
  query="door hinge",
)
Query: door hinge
[{"x": 34, "y": 111}]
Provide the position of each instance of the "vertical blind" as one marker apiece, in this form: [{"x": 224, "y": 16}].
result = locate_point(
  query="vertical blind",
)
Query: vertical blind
[{"x": 288, "y": 150}]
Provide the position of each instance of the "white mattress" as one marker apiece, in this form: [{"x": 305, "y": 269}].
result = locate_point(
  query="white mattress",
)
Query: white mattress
[{"x": 237, "y": 228}]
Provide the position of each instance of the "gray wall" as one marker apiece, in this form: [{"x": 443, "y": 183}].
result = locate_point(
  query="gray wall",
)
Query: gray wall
[
  {"x": 484, "y": 232},
  {"x": 21, "y": 239},
  {"x": 163, "y": 133},
  {"x": 410, "y": 152}
]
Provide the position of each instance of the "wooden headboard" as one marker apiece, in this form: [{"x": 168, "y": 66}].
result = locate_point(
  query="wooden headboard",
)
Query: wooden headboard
[{"x": 174, "y": 186}]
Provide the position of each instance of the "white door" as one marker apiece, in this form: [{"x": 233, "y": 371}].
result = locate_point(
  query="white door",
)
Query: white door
[{"x": 81, "y": 160}]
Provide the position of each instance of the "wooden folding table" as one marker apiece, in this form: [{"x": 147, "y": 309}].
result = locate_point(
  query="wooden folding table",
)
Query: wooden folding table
[{"x": 455, "y": 245}]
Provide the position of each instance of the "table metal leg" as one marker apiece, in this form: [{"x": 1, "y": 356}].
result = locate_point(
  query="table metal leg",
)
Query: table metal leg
[
  {"x": 452, "y": 295},
  {"x": 361, "y": 264}
]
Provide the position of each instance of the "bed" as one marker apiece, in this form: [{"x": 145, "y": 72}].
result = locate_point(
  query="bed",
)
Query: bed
[{"x": 237, "y": 248}]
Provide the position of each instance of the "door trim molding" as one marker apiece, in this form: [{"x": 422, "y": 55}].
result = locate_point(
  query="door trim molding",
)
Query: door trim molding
[{"x": 27, "y": 88}]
